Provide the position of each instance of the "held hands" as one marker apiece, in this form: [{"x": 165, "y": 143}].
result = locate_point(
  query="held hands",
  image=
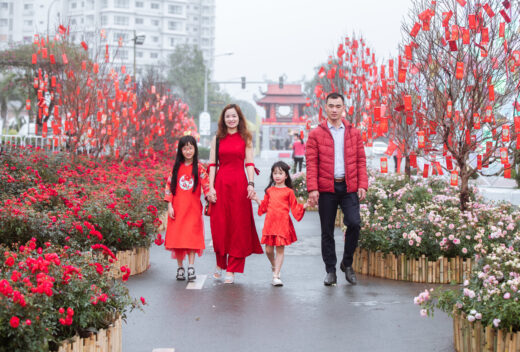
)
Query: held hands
[
  {"x": 306, "y": 205},
  {"x": 255, "y": 198},
  {"x": 313, "y": 198},
  {"x": 171, "y": 213},
  {"x": 251, "y": 194},
  {"x": 212, "y": 195}
]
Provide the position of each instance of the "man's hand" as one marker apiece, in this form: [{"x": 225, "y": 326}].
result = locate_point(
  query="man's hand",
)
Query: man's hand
[
  {"x": 313, "y": 198},
  {"x": 171, "y": 213},
  {"x": 362, "y": 193}
]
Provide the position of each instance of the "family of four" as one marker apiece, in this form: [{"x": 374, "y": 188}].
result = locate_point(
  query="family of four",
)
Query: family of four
[{"x": 336, "y": 176}]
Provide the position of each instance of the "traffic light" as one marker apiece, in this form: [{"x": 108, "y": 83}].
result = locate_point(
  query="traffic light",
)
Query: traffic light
[
  {"x": 280, "y": 82},
  {"x": 243, "y": 82}
]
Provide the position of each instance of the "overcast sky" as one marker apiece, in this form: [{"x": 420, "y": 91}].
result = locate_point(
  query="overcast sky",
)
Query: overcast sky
[{"x": 274, "y": 37}]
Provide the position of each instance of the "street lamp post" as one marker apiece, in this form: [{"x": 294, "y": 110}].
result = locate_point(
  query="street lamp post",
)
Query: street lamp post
[
  {"x": 206, "y": 74},
  {"x": 138, "y": 40}
]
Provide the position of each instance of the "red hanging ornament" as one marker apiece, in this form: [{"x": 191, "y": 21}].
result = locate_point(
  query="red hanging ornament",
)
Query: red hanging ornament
[
  {"x": 454, "y": 179},
  {"x": 384, "y": 165}
]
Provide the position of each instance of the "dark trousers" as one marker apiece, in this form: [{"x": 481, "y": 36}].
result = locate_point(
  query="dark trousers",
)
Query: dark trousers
[
  {"x": 298, "y": 160},
  {"x": 328, "y": 206}
]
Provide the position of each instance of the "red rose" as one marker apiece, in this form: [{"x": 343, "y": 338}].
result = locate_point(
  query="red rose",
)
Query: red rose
[
  {"x": 14, "y": 322},
  {"x": 143, "y": 300}
]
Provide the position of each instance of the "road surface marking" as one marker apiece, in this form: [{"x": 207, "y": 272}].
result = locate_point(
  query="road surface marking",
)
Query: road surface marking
[{"x": 197, "y": 284}]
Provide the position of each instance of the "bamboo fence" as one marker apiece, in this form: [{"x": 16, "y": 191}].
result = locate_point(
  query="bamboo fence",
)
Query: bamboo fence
[
  {"x": 390, "y": 266},
  {"x": 474, "y": 337},
  {"x": 109, "y": 340},
  {"x": 137, "y": 259}
]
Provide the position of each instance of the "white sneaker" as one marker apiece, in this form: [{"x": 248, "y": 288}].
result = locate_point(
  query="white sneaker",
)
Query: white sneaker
[{"x": 276, "y": 281}]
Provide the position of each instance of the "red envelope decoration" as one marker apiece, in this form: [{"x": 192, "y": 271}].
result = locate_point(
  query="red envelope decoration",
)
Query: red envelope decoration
[
  {"x": 425, "y": 170},
  {"x": 459, "y": 73},
  {"x": 505, "y": 134},
  {"x": 415, "y": 29},
  {"x": 420, "y": 139},
  {"x": 454, "y": 179},
  {"x": 503, "y": 156},
  {"x": 505, "y": 16},
  {"x": 488, "y": 10},
  {"x": 407, "y": 102},
  {"x": 384, "y": 165},
  {"x": 413, "y": 160},
  {"x": 472, "y": 21},
  {"x": 502, "y": 30}
]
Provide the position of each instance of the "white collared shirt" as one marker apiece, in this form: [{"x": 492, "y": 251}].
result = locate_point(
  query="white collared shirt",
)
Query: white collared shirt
[{"x": 338, "y": 134}]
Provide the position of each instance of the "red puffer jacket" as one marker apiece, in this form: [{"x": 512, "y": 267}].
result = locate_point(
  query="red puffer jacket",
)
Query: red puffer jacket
[{"x": 320, "y": 159}]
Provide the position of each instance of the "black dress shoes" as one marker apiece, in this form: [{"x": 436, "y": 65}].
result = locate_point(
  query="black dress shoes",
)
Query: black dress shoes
[
  {"x": 350, "y": 275},
  {"x": 330, "y": 279}
]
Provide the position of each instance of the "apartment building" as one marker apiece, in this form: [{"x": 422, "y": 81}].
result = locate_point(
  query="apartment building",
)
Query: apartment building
[{"x": 163, "y": 23}]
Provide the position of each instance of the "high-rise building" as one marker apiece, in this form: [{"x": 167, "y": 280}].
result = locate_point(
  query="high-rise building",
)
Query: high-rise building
[
  {"x": 20, "y": 20},
  {"x": 163, "y": 23}
]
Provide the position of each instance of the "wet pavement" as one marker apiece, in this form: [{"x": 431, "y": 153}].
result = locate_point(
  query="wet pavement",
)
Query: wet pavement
[{"x": 303, "y": 315}]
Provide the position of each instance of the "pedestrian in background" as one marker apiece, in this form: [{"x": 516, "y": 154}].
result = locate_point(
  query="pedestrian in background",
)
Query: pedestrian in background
[
  {"x": 298, "y": 148},
  {"x": 185, "y": 229},
  {"x": 278, "y": 230},
  {"x": 337, "y": 175},
  {"x": 232, "y": 224}
]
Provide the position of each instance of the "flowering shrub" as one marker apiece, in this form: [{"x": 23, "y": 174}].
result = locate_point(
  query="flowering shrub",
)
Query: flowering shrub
[
  {"x": 48, "y": 294},
  {"x": 299, "y": 181},
  {"x": 424, "y": 218},
  {"x": 491, "y": 295},
  {"x": 79, "y": 202}
]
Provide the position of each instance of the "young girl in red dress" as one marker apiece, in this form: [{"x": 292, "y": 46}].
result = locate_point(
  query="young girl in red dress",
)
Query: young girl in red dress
[
  {"x": 278, "y": 228},
  {"x": 185, "y": 229}
]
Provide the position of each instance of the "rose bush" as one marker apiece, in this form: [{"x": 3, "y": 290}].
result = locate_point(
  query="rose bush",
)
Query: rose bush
[
  {"x": 491, "y": 295},
  {"x": 424, "y": 218},
  {"x": 88, "y": 201},
  {"x": 49, "y": 294}
]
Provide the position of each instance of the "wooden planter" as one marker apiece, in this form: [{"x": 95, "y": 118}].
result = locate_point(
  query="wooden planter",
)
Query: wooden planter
[
  {"x": 109, "y": 340},
  {"x": 474, "y": 337},
  {"x": 137, "y": 259},
  {"x": 390, "y": 266}
]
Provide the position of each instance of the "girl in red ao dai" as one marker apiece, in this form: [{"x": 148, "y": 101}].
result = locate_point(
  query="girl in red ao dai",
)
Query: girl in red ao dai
[
  {"x": 185, "y": 228},
  {"x": 278, "y": 230}
]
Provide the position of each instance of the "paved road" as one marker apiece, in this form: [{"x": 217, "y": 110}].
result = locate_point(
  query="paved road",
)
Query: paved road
[{"x": 304, "y": 315}]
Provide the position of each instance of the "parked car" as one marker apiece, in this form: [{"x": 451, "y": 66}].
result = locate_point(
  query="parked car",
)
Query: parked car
[{"x": 378, "y": 148}]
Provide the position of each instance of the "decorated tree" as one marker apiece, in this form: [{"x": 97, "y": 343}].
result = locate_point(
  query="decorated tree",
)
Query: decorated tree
[
  {"x": 91, "y": 104},
  {"x": 466, "y": 55},
  {"x": 353, "y": 72}
]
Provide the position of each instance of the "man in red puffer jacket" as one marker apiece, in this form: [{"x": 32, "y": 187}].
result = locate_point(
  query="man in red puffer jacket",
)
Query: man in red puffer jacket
[{"x": 337, "y": 175}]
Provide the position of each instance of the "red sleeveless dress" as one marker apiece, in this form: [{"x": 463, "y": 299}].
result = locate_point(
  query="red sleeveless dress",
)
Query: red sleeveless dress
[{"x": 232, "y": 224}]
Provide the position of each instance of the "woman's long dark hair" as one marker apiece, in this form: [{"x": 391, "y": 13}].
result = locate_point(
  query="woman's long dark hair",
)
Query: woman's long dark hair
[
  {"x": 179, "y": 158},
  {"x": 285, "y": 168}
]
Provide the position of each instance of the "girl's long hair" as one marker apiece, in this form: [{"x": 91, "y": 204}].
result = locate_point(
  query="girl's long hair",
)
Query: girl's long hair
[
  {"x": 285, "y": 168},
  {"x": 242, "y": 124},
  {"x": 179, "y": 158}
]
